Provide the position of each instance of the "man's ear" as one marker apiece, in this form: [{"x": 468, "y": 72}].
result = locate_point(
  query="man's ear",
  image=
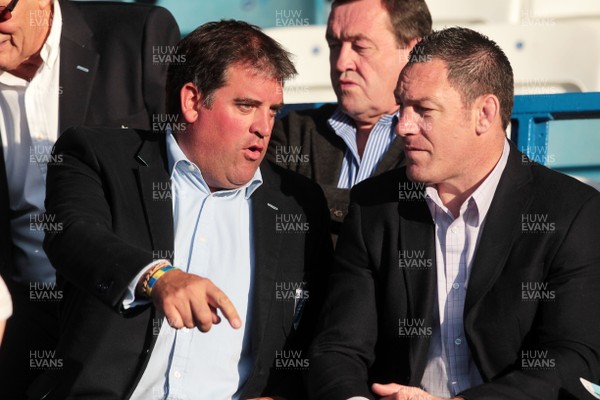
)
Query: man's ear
[
  {"x": 405, "y": 53},
  {"x": 191, "y": 100},
  {"x": 488, "y": 111},
  {"x": 412, "y": 43}
]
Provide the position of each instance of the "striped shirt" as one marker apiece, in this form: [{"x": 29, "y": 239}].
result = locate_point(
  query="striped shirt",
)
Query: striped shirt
[
  {"x": 354, "y": 169},
  {"x": 450, "y": 367}
]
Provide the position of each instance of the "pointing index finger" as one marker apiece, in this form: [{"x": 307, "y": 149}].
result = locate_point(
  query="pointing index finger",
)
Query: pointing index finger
[{"x": 219, "y": 300}]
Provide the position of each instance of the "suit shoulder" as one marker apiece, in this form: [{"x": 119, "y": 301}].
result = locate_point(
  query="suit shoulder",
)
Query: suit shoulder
[
  {"x": 280, "y": 175},
  {"x": 379, "y": 189},
  {"x": 99, "y": 138},
  {"x": 560, "y": 188},
  {"x": 309, "y": 117},
  {"x": 116, "y": 9},
  {"x": 289, "y": 181},
  {"x": 125, "y": 18}
]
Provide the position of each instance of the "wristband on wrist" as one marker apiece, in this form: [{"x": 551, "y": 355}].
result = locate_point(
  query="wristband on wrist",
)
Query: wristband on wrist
[
  {"x": 155, "y": 277},
  {"x": 143, "y": 286}
]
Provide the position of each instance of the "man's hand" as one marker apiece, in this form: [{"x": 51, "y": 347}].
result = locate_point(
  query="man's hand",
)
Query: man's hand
[
  {"x": 188, "y": 300},
  {"x": 393, "y": 391}
]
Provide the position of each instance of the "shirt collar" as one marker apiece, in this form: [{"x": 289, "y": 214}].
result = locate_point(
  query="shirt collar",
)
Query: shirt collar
[
  {"x": 175, "y": 156},
  {"x": 484, "y": 194},
  {"x": 481, "y": 199},
  {"x": 343, "y": 120},
  {"x": 51, "y": 48}
]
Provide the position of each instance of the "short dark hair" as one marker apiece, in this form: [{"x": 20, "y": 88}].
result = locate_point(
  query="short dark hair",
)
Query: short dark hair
[
  {"x": 410, "y": 18},
  {"x": 207, "y": 53},
  {"x": 476, "y": 65}
]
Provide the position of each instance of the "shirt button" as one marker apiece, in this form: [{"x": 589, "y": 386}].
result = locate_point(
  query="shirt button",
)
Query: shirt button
[
  {"x": 456, "y": 286},
  {"x": 191, "y": 168},
  {"x": 177, "y": 374},
  {"x": 458, "y": 341},
  {"x": 453, "y": 230}
]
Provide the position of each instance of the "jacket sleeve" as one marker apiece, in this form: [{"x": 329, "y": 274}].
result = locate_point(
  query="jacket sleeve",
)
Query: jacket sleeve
[
  {"x": 85, "y": 250},
  {"x": 347, "y": 329}
]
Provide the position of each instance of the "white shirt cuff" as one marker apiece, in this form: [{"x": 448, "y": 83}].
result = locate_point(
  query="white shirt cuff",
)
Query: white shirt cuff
[{"x": 130, "y": 301}]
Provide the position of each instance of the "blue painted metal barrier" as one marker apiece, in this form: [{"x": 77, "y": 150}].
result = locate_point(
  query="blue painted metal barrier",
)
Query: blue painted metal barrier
[{"x": 560, "y": 131}]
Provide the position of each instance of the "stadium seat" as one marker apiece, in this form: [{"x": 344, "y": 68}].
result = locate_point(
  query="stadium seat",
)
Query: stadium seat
[{"x": 311, "y": 57}]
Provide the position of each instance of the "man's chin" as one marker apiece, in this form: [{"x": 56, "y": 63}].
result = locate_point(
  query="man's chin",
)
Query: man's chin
[
  {"x": 416, "y": 175},
  {"x": 350, "y": 107}
]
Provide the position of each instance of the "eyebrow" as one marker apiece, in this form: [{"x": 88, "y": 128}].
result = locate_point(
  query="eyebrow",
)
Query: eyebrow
[
  {"x": 256, "y": 103},
  {"x": 418, "y": 100},
  {"x": 358, "y": 36},
  {"x": 247, "y": 100}
]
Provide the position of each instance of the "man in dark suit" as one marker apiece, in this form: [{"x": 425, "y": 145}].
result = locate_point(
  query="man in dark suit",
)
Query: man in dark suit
[
  {"x": 472, "y": 272},
  {"x": 339, "y": 145},
  {"x": 249, "y": 241},
  {"x": 62, "y": 64}
]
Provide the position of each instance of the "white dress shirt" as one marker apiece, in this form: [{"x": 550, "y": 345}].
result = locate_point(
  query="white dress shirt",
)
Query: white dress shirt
[
  {"x": 450, "y": 368},
  {"x": 29, "y": 129},
  {"x": 5, "y": 302}
]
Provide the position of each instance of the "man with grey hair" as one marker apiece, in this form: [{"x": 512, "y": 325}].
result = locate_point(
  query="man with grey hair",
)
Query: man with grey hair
[
  {"x": 342, "y": 144},
  {"x": 470, "y": 273}
]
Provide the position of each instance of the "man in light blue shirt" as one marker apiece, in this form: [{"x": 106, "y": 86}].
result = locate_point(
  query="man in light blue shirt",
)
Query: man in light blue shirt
[{"x": 167, "y": 233}]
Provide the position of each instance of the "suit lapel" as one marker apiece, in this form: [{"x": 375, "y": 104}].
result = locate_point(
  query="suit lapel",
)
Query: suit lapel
[
  {"x": 266, "y": 203},
  {"x": 393, "y": 157},
  {"x": 512, "y": 198},
  {"x": 328, "y": 150},
  {"x": 417, "y": 234},
  {"x": 78, "y": 64},
  {"x": 155, "y": 190}
]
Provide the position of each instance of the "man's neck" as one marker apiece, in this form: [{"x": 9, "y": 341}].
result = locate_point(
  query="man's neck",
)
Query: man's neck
[
  {"x": 363, "y": 130},
  {"x": 362, "y": 136},
  {"x": 454, "y": 193},
  {"x": 27, "y": 69}
]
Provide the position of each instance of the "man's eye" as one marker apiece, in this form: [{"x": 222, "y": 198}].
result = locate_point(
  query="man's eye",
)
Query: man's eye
[
  {"x": 245, "y": 107},
  {"x": 359, "y": 46},
  {"x": 422, "y": 110}
]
